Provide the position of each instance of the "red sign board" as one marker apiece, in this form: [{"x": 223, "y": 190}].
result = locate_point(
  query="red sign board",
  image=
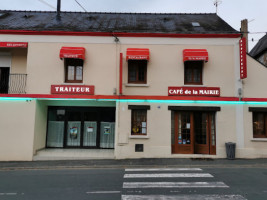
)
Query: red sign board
[
  {"x": 137, "y": 54},
  {"x": 194, "y": 91},
  {"x": 73, "y": 89},
  {"x": 14, "y": 44},
  {"x": 243, "y": 58}
]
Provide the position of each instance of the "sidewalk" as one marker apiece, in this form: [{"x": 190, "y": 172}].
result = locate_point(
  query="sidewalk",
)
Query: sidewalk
[{"x": 131, "y": 163}]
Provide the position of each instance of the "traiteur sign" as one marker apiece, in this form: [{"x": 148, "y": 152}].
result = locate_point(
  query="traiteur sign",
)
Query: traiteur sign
[{"x": 73, "y": 89}]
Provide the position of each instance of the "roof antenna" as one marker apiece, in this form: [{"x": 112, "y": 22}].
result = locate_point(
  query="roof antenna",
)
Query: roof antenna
[{"x": 217, "y": 3}]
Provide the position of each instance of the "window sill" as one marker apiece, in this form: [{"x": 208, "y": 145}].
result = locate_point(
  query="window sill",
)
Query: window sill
[
  {"x": 259, "y": 140},
  {"x": 136, "y": 85},
  {"x": 194, "y": 85},
  {"x": 138, "y": 137},
  {"x": 72, "y": 84}
]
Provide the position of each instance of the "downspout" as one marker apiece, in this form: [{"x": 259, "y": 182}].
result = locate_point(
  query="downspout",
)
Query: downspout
[{"x": 121, "y": 68}]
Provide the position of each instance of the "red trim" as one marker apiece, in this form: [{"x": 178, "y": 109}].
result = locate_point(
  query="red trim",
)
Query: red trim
[
  {"x": 120, "y": 34},
  {"x": 72, "y": 52},
  {"x": 255, "y": 99},
  {"x": 137, "y": 54},
  {"x": 195, "y": 55},
  {"x": 133, "y": 97},
  {"x": 14, "y": 44},
  {"x": 121, "y": 68}
]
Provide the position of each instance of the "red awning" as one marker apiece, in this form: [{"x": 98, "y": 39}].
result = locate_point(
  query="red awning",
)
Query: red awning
[
  {"x": 72, "y": 52},
  {"x": 137, "y": 54},
  {"x": 14, "y": 44},
  {"x": 195, "y": 55}
]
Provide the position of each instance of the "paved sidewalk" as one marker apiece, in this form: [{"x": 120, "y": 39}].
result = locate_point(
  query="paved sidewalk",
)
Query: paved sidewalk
[{"x": 130, "y": 163}]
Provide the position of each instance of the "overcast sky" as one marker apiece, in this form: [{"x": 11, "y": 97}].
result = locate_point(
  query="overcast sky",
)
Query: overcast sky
[{"x": 232, "y": 11}]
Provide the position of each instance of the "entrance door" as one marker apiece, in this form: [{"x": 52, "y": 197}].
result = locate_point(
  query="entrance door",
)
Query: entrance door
[
  {"x": 74, "y": 125},
  {"x": 201, "y": 132},
  {"x": 90, "y": 129},
  {"x": 194, "y": 133},
  {"x": 4, "y": 80}
]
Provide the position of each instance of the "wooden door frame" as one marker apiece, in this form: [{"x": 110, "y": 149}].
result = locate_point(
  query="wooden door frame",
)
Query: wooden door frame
[{"x": 183, "y": 149}]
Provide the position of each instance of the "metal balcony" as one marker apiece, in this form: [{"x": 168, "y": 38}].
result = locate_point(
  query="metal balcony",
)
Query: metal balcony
[{"x": 13, "y": 84}]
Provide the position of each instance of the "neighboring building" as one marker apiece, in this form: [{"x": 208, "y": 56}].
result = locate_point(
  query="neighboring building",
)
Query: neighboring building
[
  {"x": 124, "y": 85},
  {"x": 259, "y": 51}
]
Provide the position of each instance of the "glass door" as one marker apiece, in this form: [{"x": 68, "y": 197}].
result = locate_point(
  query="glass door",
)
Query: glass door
[
  {"x": 201, "y": 133},
  {"x": 74, "y": 121},
  {"x": 90, "y": 129}
]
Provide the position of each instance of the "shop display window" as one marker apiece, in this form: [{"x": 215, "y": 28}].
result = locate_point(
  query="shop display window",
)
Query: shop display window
[
  {"x": 259, "y": 125},
  {"x": 137, "y": 71},
  {"x": 73, "y": 70},
  {"x": 193, "y": 72},
  {"x": 139, "y": 122}
]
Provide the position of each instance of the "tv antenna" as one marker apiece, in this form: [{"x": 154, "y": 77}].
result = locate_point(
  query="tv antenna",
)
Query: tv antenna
[{"x": 217, "y": 3}]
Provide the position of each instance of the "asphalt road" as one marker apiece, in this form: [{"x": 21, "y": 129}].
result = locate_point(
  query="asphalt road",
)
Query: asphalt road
[{"x": 142, "y": 184}]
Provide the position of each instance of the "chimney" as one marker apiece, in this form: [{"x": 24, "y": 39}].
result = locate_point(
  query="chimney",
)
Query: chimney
[
  {"x": 58, "y": 9},
  {"x": 244, "y": 30}
]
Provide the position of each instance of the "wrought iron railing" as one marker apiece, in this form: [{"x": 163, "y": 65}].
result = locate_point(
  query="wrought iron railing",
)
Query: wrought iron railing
[{"x": 13, "y": 84}]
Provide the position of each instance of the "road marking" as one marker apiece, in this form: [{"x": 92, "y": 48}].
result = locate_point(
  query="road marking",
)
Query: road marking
[
  {"x": 174, "y": 175},
  {"x": 9, "y": 193},
  {"x": 174, "y": 185},
  {"x": 182, "y": 197},
  {"x": 164, "y": 169},
  {"x": 103, "y": 192}
]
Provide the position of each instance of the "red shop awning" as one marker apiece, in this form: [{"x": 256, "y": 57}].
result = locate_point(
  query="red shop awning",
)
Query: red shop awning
[
  {"x": 195, "y": 55},
  {"x": 72, "y": 52},
  {"x": 14, "y": 44},
  {"x": 137, "y": 54}
]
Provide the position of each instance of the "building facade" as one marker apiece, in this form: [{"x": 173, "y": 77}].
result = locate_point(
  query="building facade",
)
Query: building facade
[{"x": 135, "y": 85}]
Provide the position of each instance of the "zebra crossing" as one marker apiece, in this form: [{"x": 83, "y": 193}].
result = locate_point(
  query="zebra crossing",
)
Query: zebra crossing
[{"x": 138, "y": 183}]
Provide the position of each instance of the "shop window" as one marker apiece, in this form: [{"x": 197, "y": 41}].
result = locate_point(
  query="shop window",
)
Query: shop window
[
  {"x": 193, "y": 72},
  {"x": 139, "y": 122},
  {"x": 73, "y": 70},
  {"x": 137, "y": 71},
  {"x": 259, "y": 125}
]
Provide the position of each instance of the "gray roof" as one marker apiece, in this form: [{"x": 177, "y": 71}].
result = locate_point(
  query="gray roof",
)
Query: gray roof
[
  {"x": 114, "y": 22},
  {"x": 259, "y": 48}
]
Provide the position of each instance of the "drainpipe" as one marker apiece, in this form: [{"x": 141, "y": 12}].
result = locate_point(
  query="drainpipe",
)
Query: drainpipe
[{"x": 58, "y": 9}]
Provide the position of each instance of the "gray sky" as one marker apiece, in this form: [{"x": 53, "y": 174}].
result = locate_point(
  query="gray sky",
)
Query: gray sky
[{"x": 232, "y": 11}]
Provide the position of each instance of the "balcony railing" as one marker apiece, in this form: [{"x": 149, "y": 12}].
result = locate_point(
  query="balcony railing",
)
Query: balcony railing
[{"x": 13, "y": 84}]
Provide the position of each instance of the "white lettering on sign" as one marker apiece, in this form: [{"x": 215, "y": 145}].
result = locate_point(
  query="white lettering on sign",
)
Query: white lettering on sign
[
  {"x": 193, "y": 91},
  {"x": 212, "y": 92},
  {"x": 58, "y": 89},
  {"x": 137, "y": 57}
]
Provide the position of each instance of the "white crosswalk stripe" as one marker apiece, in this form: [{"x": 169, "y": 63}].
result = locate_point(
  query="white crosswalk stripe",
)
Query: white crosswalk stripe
[
  {"x": 173, "y": 175},
  {"x": 174, "y": 185},
  {"x": 163, "y": 169}
]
